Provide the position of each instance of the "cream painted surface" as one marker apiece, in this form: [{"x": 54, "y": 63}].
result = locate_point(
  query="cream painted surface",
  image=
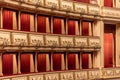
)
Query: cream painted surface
[
  {"x": 66, "y": 76},
  {"x": 81, "y": 75},
  {"x": 1, "y": 74},
  {"x": 118, "y": 45},
  {"x": 63, "y": 26},
  {"x": 94, "y": 42},
  {"x": 77, "y": 61},
  {"x": 117, "y": 3},
  {"x": 47, "y": 62},
  {"x": 63, "y": 62},
  {"x": 14, "y": 64},
  {"x": 47, "y": 25},
  {"x": 20, "y": 78},
  {"x": 76, "y": 28},
  {"x": 80, "y": 41},
  {"x": 95, "y": 10}
]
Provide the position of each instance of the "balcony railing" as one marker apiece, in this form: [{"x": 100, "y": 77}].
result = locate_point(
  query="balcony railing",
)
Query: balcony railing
[{"x": 21, "y": 40}]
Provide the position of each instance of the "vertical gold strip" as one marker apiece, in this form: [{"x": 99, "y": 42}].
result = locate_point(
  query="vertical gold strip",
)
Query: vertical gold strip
[
  {"x": 14, "y": 21},
  {"x": 63, "y": 62},
  {"x": 63, "y": 27},
  {"x": 1, "y": 18},
  {"x": 1, "y": 74},
  {"x": 14, "y": 64},
  {"x": 32, "y": 23},
  {"x": 19, "y": 68},
  {"x": 47, "y": 25},
  {"x": 19, "y": 22},
  {"x": 31, "y": 63},
  {"x": 36, "y": 70},
  {"x": 47, "y": 62}
]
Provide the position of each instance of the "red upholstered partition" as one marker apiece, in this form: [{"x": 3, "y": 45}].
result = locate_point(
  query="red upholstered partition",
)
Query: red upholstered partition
[
  {"x": 7, "y": 19},
  {"x": 85, "y": 1},
  {"x": 41, "y": 62},
  {"x": 57, "y": 61},
  {"x": 71, "y": 27},
  {"x": 41, "y": 24},
  {"x": 25, "y": 22},
  {"x": 108, "y": 3},
  {"x": 109, "y": 44},
  {"x": 85, "y": 28},
  {"x": 7, "y": 64},
  {"x": 25, "y": 63},
  {"x": 57, "y": 27},
  {"x": 85, "y": 61},
  {"x": 71, "y": 61}
]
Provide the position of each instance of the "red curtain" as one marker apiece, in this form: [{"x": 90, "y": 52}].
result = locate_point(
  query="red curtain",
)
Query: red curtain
[
  {"x": 71, "y": 27},
  {"x": 42, "y": 62},
  {"x": 108, "y": 3},
  {"x": 57, "y": 61},
  {"x": 109, "y": 44},
  {"x": 85, "y": 28},
  {"x": 85, "y": 61},
  {"x": 25, "y": 22},
  {"x": 71, "y": 61},
  {"x": 7, "y": 64},
  {"x": 85, "y": 1},
  {"x": 7, "y": 19},
  {"x": 25, "y": 63},
  {"x": 41, "y": 24},
  {"x": 57, "y": 27}
]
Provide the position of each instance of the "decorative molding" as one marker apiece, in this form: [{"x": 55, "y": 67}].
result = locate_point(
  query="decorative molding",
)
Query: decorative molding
[
  {"x": 36, "y": 77},
  {"x": 81, "y": 75},
  {"x": 54, "y": 76},
  {"x": 52, "y": 4},
  {"x": 20, "y": 78},
  {"x": 95, "y": 74},
  {"x": 94, "y": 10},
  {"x": 81, "y": 42},
  {"x": 66, "y": 76},
  {"x": 67, "y": 5},
  {"x": 94, "y": 42}
]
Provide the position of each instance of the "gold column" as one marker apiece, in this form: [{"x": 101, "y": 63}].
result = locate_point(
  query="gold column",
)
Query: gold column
[
  {"x": 36, "y": 70},
  {"x": 19, "y": 22},
  {"x": 51, "y": 61},
  {"x": 51, "y": 24},
  {"x": 35, "y": 22},
  {"x": 1, "y": 18},
  {"x": 80, "y": 60},
  {"x": 66, "y": 25},
  {"x": 19, "y": 68},
  {"x": 66, "y": 61},
  {"x": 1, "y": 74}
]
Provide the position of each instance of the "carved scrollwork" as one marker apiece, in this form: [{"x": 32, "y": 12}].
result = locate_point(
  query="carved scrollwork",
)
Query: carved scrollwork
[
  {"x": 20, "y": 42},
  {"x": 3, "y": 42},
  {"x": 52, "y": 43},
  {"x": 37, "y": 43}
]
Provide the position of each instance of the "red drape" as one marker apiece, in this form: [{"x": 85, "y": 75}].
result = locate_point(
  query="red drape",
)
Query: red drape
[
  {"x": 42, "y": 62},
  {"x": 85, "y": 1},
  {"x": 7, "y": 19},
  {"x": 25, "y": 63},
  {"x": 57, "y": 27},
  {"x": 71, "y": 27},
  {"x": 108, "y": 3},
  {"x": 41, "y": 24},
  {"x": 109, "y": 44},
  {"x": 85, "y": 61},
  {"x": 71, "y": 61},
  {"x": 57, "y": 61},
  {"x": 7, "y": 64},
  {"x": 85, "y": 28},
  {"x": 25, "y": 22}
]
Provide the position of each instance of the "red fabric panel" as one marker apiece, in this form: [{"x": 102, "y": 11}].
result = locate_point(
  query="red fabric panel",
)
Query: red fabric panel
[
  {"x": 57, "y": 26},
  {"x": 25, "y": 63},
  {"x": 108, "y": 49},
  {"x": 7, "y": 64},
  {"x": 42, "y": 62},
  {"x": 85, "y": 28},
  {"x": 71, "y": 27},
  {"x": 85, "y": 62},
  {"x": 7, "y": 19},
  {"x": 41, "y": 24},
  {"x": 71, "y": 61},
  {"x": 25, "y": 22},
  {"x": 85, "y": 1},
  {"x": 108, "y": 3},
  {"x": 57, "y": 61}
]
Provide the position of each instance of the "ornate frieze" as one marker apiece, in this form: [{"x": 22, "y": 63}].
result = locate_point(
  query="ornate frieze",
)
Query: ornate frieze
[
  {"x": 52, "y": 41},
  {"x": 80, "y": 8},
  {"x": 107, "y": 73},
  {"x": 81, "y": 75},
  {"x": 20, "y": 39},
  {"x": 66, "y": 76},
  {"x": 94, "y": 10},
  {"x": 52, "y": 4},
  {"x": 36, "y": 77},
  {"x": 66, "y": 41},
  {"x": 81, "y": 42},
  {"x": 54, "y": 76},
  {"x": 36, "y": 40},
  {"x": 5, "y": 38},
  {"x": 94, "y": 74},
  {"x": 94, "y": 42},
  {"x": 66, "y": 5}
]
